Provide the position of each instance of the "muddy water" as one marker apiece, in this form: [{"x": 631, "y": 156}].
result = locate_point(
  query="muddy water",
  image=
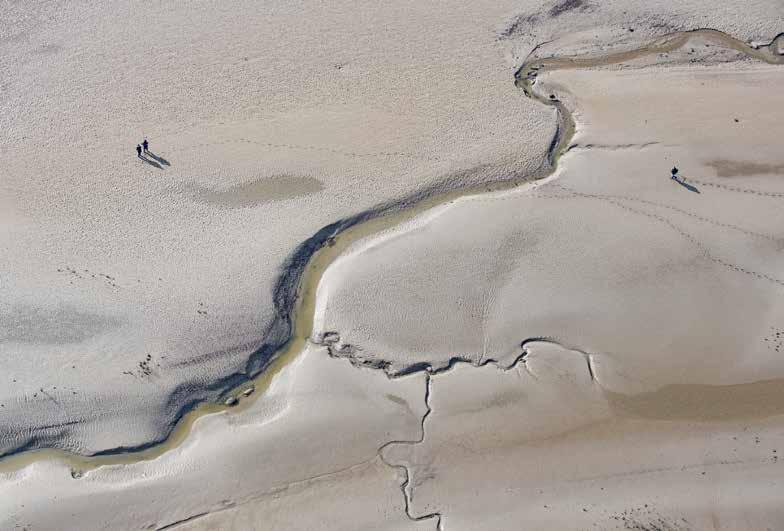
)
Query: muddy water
[{"x": 303, "y": 312}]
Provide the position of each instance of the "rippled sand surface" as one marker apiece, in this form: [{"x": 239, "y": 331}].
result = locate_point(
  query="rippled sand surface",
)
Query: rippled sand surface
[{"x": 591, "y": 349}]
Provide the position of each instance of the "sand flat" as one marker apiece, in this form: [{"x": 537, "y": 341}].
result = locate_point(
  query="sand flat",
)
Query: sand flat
[
  {"x": 559, "y": 456},
  {"x": 372, "y": 102},
  {"x": 573, "y": 328},
  {"x": 648, "y": 311},
  {"x": 605, "y": 251},
  {"x": 351, "y": 98}
]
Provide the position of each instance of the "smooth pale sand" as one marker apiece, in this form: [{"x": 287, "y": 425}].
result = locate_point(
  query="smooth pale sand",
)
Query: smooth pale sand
[
  {"x": 656, "y": 400},
  {"x": 610, "y": 254},
  {"x": 648, "y": 395},
  {"x": 547, "y": 449}
]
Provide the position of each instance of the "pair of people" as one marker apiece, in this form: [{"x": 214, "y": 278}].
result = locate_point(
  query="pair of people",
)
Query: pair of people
[{"x": 145, "y": 145}]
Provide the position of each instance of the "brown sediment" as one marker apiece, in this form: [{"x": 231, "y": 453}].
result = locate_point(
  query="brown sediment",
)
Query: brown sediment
[
  {"x": 302, "y": 312},
  {"x": 703, "y": 402},
  {"x": 259, "y": 191},
  {"x": 738, "y": 168}
]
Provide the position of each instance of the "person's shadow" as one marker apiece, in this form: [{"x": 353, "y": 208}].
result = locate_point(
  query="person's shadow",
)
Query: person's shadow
[
  {"x": 150, "y": 162},
  {"x": 159, "y": 159},
  {"x": 686, "y": 185}
]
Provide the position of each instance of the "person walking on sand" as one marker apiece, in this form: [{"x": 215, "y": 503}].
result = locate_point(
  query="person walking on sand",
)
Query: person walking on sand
[
  {"x": 138, "y": 151},
  {"x": 674, "y": 172},
  {"x": 145, "y": 145}
]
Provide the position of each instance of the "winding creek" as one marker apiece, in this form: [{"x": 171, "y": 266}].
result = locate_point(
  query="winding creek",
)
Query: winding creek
[{"x": 326, "y": 246}]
